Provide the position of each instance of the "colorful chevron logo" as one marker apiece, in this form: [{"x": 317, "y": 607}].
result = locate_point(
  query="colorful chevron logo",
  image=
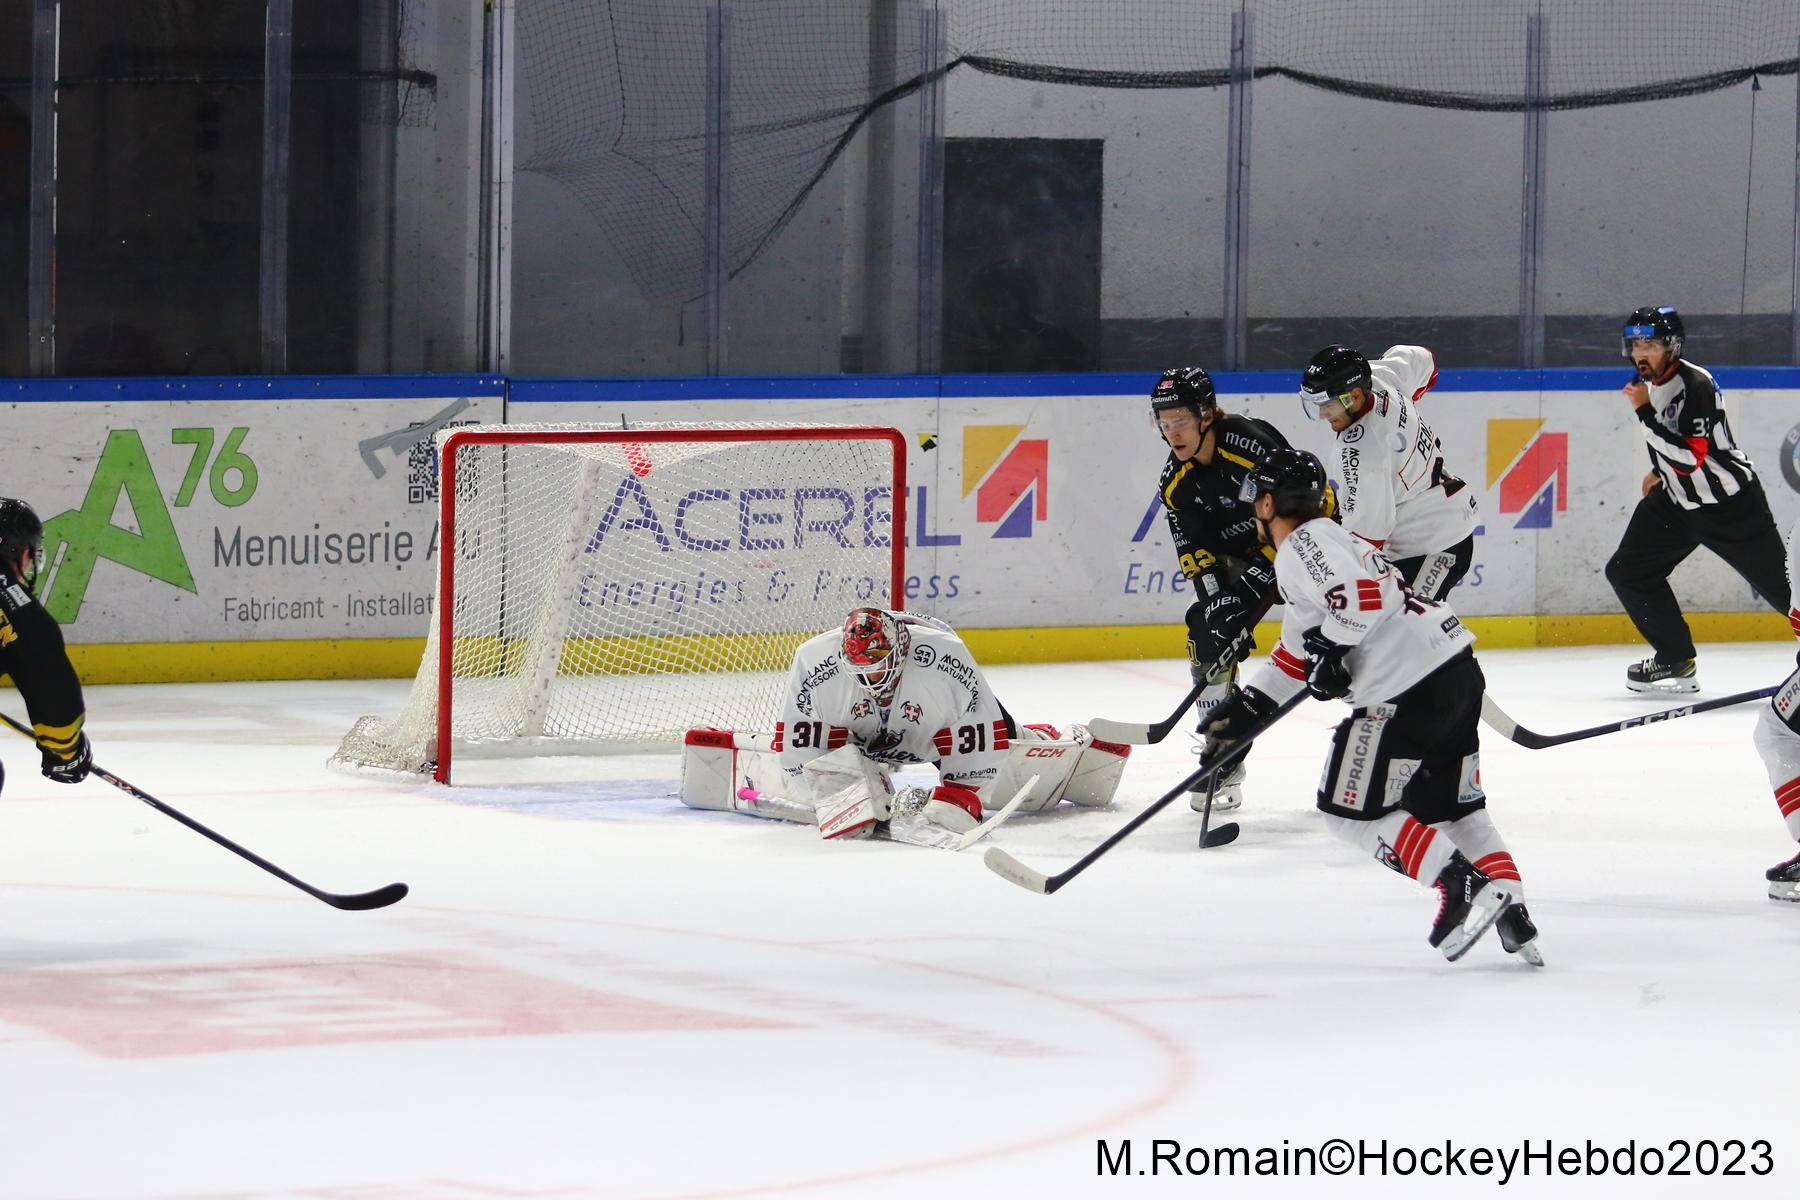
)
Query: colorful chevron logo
[{"x": 1009, "y": 475}]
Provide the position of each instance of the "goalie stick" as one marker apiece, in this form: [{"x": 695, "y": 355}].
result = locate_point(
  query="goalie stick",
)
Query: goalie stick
[
  {"x": 353, "y": 901},
  {"x": 1135, "y": 734},
  {"x": 1013, "y": 871},
  {"x": 1510, "y": 729},
  {"x": 963, "y": 841}
]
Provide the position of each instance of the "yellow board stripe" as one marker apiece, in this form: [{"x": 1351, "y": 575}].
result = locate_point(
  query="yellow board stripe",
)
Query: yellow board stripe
[{"x": 398, "y": 658}]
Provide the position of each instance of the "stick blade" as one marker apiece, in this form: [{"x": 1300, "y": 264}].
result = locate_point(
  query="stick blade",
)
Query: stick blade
[
  {"x": 381, "y": 897},
  {"x": 999, "y": 818},
  {"x": 1120, "y": 731},
  {"x": 1222, "y": 835},
  {"x": 1013, "y": 871}
]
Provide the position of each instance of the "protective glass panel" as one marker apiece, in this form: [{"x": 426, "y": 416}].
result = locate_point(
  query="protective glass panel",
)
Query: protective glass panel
[
  {"x": 15, "y": 185},
  {"x": 1688, "y": 202},
  {"x": 158, "y": 206}
]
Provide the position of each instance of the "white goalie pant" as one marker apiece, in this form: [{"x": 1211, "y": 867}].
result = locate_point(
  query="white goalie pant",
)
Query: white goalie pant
[{"x": 739, "y": 772}]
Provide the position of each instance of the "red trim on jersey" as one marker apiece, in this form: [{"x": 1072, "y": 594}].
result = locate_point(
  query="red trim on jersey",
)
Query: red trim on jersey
[
  {"x": 1498, "y": 865},
  {"x": 1368, "y": 594},
  {"x": 1284, "y": 658},
  {"x": 1429, "y": 383},
  {"x": 1794, "y": 620},
  {"x": 943, "y": 740},
  {"x": 836, "y": 736},
  {"x": 1698, "y": 447},
  {"x": 1414, "y": 840},
  {"x": 1788, "y": 796},
  {"x": 1001, "y": 741},
  {"x": 775, "y": 743}
]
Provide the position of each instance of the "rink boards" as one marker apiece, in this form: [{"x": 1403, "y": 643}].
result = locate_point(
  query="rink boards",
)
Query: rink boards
[{"x": 286, "y": 527}]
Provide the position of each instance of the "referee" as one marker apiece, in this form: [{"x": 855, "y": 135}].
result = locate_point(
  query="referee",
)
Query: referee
[{"x": 1701, "y": 491}]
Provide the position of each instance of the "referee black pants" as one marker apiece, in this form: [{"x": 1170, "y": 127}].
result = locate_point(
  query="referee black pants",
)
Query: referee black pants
[{"x": 1661, "y": 534}]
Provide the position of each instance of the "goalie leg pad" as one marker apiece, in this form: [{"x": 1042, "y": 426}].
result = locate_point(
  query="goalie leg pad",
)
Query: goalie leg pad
[
  {"x": 1079, "y": 768},
  {"x": 1097, "y": 772},
  {"x": 709, "y": 769}
]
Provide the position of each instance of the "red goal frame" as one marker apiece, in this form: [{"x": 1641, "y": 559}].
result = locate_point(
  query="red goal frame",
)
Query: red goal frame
[{"x": 446, "y": 606}]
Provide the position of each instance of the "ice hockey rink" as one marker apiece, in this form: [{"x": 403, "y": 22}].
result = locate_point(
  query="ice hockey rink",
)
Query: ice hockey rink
[{"x": 593, "y": 991}]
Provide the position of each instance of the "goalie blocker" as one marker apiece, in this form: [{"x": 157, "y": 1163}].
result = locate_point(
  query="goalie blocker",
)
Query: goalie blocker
[{"x": 847, "y": 795}]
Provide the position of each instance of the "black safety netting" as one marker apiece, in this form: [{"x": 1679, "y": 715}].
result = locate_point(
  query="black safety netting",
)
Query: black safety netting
[{"x": 619, "y": 89}]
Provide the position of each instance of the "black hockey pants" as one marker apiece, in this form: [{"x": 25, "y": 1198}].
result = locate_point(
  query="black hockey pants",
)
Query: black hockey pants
[{"x": 1661, "y": 534}]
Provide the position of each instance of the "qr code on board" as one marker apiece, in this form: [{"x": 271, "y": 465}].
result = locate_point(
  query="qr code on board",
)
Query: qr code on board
[{"x": 422, "y": 465}]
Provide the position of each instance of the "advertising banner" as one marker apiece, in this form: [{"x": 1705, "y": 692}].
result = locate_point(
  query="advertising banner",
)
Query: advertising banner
[
  {"x": 241, "y": 511},
  {"x": 1034, "y": 501}
]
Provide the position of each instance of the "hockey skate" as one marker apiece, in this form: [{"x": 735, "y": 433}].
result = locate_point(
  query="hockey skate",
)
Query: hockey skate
[
  {"x": 1518, "y": 935},
  {"x": 1784, "y": 880},
  {"x": 1655, "y": 675},
  {"x": 1468, "y": 903},
  {"x": 1228, "y": 795}
]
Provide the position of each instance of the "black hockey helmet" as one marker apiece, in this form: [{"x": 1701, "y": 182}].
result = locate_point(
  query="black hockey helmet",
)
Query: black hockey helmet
[
  {"x": 1331, "y": 374},
  {"x": 20, "y": 530},
  {"x": 1184, "y": 387},
  {"x": 1652, "y": 321},
  {"x": 1294, "y": 477}
]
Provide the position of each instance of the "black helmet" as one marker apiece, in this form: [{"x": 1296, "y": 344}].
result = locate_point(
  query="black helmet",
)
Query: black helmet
[
  {"x": 20, "y": 530},
  {"x": 1330, "y": 375},
  {"x": 1294, "y": 477},
  {"x": 1183, "y": 387},
  {"x": 1652, "y": 321}
]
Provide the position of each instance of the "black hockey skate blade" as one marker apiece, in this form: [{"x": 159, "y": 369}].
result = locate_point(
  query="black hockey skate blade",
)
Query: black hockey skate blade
[{"x": 1219, "y": 835}]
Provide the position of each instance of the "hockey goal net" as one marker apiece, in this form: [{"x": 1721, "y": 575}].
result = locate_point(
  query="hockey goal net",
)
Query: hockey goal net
[{"x": 604, "y": 589}]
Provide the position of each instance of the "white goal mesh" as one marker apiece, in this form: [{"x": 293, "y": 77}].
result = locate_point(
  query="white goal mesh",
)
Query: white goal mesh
[{"x": 612, "y": 589}]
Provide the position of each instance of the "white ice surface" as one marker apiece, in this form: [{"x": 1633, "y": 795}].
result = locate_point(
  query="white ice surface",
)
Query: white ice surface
[{"x": 593, "y": 991}]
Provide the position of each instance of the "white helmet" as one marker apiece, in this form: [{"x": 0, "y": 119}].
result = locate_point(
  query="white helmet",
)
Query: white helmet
[{"x": 875, "y": 647}]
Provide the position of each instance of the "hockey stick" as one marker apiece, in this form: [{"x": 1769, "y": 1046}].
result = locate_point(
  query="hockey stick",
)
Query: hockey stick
[
  {"x": 1508, "y": 728},
  {"x": 355, "y": 901},
  {"x": 1225, "y": 834},
  {"x": 1136, "y": 734},
  {"x": 767, "y": 803},
  {"x": 1013, "y": 871}
]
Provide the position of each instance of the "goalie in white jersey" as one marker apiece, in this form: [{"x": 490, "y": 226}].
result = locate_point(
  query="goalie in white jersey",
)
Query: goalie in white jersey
[
  {"x": 1778, "y": 742},
  {"x": 1403, "y": 782},
  {"x": 1397, "y": 490},
  {"x": 892, "y": 689}
]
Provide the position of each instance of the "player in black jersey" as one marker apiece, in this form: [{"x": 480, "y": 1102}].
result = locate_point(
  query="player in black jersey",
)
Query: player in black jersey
[
  {"x": 32, "y": 651},
  {"x": 1210, "y": 452},
  {"x": 1701, "y": 491}
]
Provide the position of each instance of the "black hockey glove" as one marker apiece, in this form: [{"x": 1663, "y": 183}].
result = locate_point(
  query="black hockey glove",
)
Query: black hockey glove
[
  {"x": 1327, "y": 677},
  {"x": 1232, "y": 719},
  {"x": 1224, "y": 617},
  {"x": 73, "y": 769}
]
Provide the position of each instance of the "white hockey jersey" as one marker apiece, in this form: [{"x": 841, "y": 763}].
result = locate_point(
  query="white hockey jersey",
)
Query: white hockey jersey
[
  {"x": 1794, "y": 577},
  {"x": 1397, "y": 490},
  {"x": 1346, "y": 586},
  {"x": 942, "y": 712}
]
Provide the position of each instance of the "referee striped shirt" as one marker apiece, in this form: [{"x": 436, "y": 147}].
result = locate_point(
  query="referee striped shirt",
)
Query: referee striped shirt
[{"x": 1691, "y": 447}]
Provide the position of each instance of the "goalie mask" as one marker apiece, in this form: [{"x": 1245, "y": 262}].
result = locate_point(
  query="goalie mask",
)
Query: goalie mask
[{"x": 875, "y": 647}]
